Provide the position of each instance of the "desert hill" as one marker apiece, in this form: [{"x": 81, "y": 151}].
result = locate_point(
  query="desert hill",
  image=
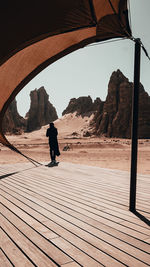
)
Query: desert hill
[
  {"x": 70, "y": 126},
  {"x": 113, "y": 153}
]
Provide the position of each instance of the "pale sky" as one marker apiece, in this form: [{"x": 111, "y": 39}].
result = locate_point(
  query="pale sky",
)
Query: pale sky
[{"x": 88, "y": 70}]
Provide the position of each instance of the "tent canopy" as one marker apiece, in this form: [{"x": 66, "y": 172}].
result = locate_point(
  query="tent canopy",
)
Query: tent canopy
[{"x": 35, "y": 34}]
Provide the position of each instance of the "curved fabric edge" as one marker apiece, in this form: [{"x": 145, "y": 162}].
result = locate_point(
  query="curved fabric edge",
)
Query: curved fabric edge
[
  {"x": 36, "y": 40},
  {"x": 27, "y": 22},
  {"x": 35, "y": 72},
  {"x": 50, "y": 60},
  {"x": 28, "y": 78}
]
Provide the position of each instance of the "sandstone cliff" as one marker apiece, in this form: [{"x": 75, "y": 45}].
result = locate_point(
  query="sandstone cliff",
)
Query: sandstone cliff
[
  {"x": 83, "y": 105},
  {"x": 13, "y": 122},
  {"x": 41, "y": 111},
  {"x": 114, "y": 118}
]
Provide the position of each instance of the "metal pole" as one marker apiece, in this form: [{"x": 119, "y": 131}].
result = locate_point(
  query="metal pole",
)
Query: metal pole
[{"x": 135, "y": 108}]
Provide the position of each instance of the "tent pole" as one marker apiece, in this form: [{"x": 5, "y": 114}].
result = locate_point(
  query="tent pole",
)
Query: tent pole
[{"x": 135, "y": 109}]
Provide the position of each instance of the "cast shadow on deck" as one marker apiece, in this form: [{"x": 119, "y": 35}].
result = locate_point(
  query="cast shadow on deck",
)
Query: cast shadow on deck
[
  {"x": 6, "y": 175},
  {"x": 13, "y": 173},
  {"x": 141, "y": 217},
  {"x": 136, "y": 213}
]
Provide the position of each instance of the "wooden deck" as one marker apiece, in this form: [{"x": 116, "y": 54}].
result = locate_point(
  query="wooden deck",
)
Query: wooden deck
[{"x": 72, "y": 215}]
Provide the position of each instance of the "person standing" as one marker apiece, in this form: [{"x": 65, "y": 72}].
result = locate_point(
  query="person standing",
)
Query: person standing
[{"x": 53, "y": 142}]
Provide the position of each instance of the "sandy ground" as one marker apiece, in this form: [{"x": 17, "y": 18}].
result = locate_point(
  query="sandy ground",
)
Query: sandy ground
[{"x": 110, "y": 153}]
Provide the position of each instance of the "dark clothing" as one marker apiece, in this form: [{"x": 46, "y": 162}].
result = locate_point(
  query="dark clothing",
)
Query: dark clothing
[
  {"x": 53, "y": 142},
  {"x": 52, "y": 155}
]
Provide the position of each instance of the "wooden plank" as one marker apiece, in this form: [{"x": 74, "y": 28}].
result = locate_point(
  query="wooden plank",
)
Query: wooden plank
[
  {"x": 42, "y": 250},
  {"x": 92, "y": 236},
  {"x": 64, "y": 199},
  {"x": 73, "y": 251},
  {"x": 87, "y": 213},
  {"x": 83, "y": 217},
  {"x": 145, "y": 214},
  {"x": 92, "y": 189},
  {"x": 75, "y": 198},
  {"x": 101, "y": 193},
  {"x": 76, "y": 194},
  {"x": 45, "y": 168},
  {"x": 138, "y": 228},
  {"x": 108, "y": 220},
  {"x": 13, "y": 252},
  {"x": 4, "y": 261},
  {"x": 79, "y": 254},
  {"x": 70, "y": 187},
  {"x": 147, "y": 240},
  {"x": 17, "y": 166},
  {"x": 71, "y": 264},
  {"x": 35, "y": 255},
  {"x": 127, "y": 216},
  {"x": 39, "y": 197},
  {"x": 143, "y": 207},
  {"x": 79, "y": 243},
  {"x": 40, "y": 228},
  {"x": 107, "y": 185}
]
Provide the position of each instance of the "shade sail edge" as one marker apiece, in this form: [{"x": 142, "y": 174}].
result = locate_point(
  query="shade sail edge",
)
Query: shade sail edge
[{"x": 101, "y": 34}]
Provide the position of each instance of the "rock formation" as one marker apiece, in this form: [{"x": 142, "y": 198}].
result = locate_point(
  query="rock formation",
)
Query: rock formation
[
  {"x": 83, "y": 105},
  {"x": 13, "y": 122},
  {"x": 144, "y": 114},
  {"x": 113, "y": 119},
  {"x": 41, "y": 111}
]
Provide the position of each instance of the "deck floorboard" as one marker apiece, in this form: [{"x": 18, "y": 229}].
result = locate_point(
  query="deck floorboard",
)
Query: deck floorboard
[{"x": 72, "y": 215}]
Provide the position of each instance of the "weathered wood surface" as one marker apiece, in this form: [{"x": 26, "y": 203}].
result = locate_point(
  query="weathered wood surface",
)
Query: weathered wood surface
[{"x": 72, "y": 215}]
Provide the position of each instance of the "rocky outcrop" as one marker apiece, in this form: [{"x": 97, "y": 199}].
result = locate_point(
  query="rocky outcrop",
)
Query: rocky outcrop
[
  {"x": 83, "y": 105},
  {"x": 144, "y": 114},
  {"x": 41, "y": 111},
  {"x": 113, "y": 119},
  {"x": 13, "y": 122}
]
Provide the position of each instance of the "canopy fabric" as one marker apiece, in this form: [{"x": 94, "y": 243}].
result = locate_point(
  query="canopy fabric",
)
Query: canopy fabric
[{"x": 34, "y": 34}]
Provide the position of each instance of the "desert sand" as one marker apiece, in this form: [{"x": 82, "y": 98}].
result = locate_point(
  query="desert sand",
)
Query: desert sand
[{"x": 112, "y": 153}]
